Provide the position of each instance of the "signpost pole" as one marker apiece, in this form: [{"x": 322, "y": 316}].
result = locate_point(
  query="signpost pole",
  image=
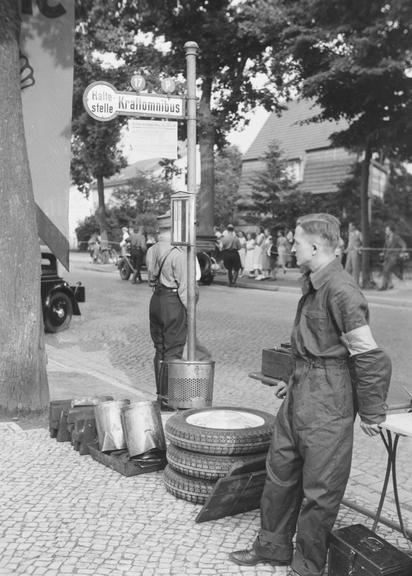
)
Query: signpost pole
[{"x": 191, "y": 49}]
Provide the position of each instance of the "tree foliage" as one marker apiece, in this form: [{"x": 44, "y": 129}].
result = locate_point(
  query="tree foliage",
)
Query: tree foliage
[
  {"x": 231, "y": 54},
  {"x": 354, "y": 59},
  {"x": 228, "y": 168},
  {"x": 275, "y": 199}
]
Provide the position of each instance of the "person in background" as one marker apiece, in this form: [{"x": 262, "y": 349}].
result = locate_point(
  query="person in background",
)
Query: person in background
[
  {"x": 257, "y": 264},
  {"x": 353, "y": 252},
  {"x": 340, "y": 249},
  {"x": 283, "y": 248},
  {"x": 242, "y": 251},
  {"x": 250, "y": 250},
  {"x": 167, "y": 273},
  {"x": 289, "y": 238},
  {"x": 336, "y": 365},
  {"x": 230, "y": 246},
  {"x": 137, "y": 253},
  {"x": 266, "y": 244},
  {"x": 393, "y": 247},
  {"x": 124, "y": 241},
  {"x": 93, "y": 246}
]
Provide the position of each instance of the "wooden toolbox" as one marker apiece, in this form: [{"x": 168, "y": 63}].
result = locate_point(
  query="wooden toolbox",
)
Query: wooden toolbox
[
  {"x": 357, "y": 551},
  {"x": 277, "y": 362}
]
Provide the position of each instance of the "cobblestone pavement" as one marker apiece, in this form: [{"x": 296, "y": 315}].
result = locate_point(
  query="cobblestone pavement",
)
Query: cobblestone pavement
[{"x": 62, "y": 513}]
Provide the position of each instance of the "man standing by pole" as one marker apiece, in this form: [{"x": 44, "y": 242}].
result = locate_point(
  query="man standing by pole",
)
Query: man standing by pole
[
  {"x": 167, "y": 273},
  {"x": 334, "y": 355}
]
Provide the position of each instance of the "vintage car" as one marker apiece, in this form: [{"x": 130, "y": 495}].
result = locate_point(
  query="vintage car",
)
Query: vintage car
[{"x": 59, "y": 300}]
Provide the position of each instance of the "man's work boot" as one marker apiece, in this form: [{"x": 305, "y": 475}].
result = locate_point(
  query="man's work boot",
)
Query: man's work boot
[{"x": 249, "y": 558}]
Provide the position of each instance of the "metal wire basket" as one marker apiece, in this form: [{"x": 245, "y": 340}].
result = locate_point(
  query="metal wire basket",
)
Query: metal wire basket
[{"x": 190, "y": 383}]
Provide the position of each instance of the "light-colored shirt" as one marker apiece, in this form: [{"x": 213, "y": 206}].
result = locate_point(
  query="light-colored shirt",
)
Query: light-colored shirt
[{"x": 174, "y": 270}]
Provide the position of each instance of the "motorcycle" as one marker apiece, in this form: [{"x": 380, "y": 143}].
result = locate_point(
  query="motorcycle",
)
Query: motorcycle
[{"x": 207, "y": 263}]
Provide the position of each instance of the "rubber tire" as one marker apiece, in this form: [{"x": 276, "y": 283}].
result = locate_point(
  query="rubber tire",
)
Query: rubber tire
[
  {"x": 205, "y": 466},
  {"x": 125, "y": 271},
  {"x": 187, "y": 488},
  {"x": 50, "y": 324},
  {"x": 222, "y": 441},
  {"x": 205, "y": 264}
]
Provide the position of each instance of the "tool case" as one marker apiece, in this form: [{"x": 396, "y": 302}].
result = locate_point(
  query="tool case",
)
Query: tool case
[
  {"x": 277, "y": 362},
  {"x": 357, "y": 551}
]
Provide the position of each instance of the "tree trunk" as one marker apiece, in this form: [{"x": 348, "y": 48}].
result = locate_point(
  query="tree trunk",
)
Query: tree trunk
[
  {"x": 207, "y": 165},
  {"x": 23, "y": 377},
  {"x": 101, "y": 212},
  {"x": 367, "y": 281}
]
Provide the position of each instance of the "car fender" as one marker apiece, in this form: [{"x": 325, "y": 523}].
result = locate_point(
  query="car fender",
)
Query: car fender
[{"x": 66, "y": 289}]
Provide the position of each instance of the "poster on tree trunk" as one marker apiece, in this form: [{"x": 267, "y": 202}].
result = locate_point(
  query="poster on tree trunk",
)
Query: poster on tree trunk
[{"x": 46, "y": 58}]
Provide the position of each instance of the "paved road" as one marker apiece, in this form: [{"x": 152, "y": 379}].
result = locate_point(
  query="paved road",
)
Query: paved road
[{"x": 62, "y": 513}]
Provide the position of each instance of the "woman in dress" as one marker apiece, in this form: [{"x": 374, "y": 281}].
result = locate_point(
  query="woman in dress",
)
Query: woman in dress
[
  {"x": 242, "y": 251},
  {"x": 250, "y": 252},
  {"x": 257, "y": 263}
]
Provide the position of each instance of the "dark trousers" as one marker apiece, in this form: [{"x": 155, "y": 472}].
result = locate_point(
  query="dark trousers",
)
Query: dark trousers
[
  {"x": 390, "y": 266},
  {"x": 137, "y": 258},
  {"x": 232, "y": 263},
  {"x": 308, "y": 467},
  {"x": 168, "y": 329}
]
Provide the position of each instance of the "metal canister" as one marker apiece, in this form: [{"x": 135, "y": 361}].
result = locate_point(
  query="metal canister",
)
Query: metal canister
[
  {"x": 143, "y": 428},
  {"x": 109, "y": 425}
]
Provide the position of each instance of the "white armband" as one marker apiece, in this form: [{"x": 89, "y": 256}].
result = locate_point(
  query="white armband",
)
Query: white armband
[{"x": 359, "y": 340}]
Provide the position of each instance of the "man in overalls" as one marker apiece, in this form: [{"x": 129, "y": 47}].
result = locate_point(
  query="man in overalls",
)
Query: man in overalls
[
  {"x": 338, "y": 369},
  {"x": 167, "y": 265}
]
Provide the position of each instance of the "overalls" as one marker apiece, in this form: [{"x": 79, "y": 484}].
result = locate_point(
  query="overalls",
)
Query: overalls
[{"x": 309, "y": 459}]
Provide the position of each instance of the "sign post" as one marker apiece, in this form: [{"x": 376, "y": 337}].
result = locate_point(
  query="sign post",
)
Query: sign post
[{"x": 191, "y": 49}]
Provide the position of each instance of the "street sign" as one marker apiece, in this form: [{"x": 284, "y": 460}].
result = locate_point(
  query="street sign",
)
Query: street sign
[{"x": 103, "y": 102}]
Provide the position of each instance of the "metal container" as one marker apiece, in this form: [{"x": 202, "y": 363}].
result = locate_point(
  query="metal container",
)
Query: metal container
[
  {"x": 357, "y": 551},
  {"x": 143, "y": 429},
  {"x": 109, "y": 425},
  {"x": 190, "y": 383}
]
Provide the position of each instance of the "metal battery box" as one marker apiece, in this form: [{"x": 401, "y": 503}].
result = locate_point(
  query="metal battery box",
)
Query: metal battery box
[
  {"x": 357, "y": 551},
  {"x": 277, "y": 362}
]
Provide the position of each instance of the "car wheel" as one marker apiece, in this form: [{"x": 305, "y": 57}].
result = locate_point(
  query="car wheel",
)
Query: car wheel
[
  {"x": 58, "y": 312},
  {"x": 205, "y": 466},
  {"x": 221, "y": 430},
  {"x": 124, "y": 271},
  {"x": 187, "y": 488}
]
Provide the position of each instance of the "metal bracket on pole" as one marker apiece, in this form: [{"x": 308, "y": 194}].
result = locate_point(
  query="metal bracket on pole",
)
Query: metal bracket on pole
[{"x": 191, "y": 49}]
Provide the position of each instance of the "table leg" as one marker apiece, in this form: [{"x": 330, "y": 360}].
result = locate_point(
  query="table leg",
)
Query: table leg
[
  {"x": 388, "y": 446},
  {"x": 391, "y": 448}
]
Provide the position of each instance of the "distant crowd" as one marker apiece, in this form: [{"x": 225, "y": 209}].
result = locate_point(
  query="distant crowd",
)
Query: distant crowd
[{"x": 263, "y": 255}]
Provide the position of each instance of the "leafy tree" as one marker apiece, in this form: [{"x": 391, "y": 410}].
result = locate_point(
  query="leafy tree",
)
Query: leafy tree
[
  {"x": 231, "y": 54},
  {"x": 275, "y": 198},
  {"x": 23, "y": 377},
  {"x": 95, "y": 152},
  {"x": 101, "y": 30},
  {"x": 353, "y": 59},
  {"x": 228, "y": 168},
  {"x": 144, "y": 194}
]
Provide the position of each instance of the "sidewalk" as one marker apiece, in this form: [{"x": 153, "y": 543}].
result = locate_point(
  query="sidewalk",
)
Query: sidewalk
[
  {"x": 65, "y": 514},
  {"x": 291, "y": 282}
]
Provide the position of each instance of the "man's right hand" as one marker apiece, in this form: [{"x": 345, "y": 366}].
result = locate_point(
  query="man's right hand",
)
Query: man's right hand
[{"x": 281, "y": 389}]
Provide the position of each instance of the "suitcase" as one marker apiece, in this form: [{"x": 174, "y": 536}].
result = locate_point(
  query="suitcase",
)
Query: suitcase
[{"x": 357, "y": 551}]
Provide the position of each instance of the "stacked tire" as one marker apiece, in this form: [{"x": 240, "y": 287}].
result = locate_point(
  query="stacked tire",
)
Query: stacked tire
[{"x": 204, "y": 444}]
